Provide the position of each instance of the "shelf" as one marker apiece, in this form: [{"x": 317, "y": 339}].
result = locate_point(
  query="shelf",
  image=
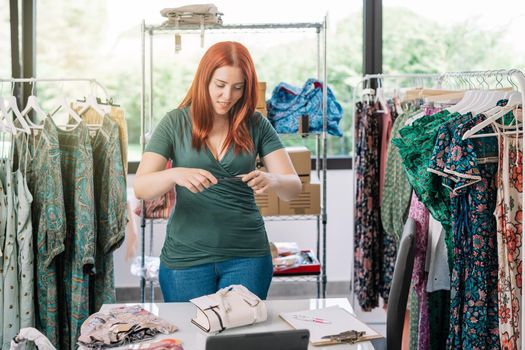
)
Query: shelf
[
  {"x": 290, "y": 217},
  {"x": 295, "y": 278},
  {"x": 169, "y": 26}
]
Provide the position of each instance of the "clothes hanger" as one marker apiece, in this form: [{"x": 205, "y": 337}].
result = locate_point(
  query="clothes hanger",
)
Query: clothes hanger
[
  {"x": 380, "y": 96},
  {"x": 70, "y": 112},
  {"x": 92, "y": 102},
  {"x": 491, "y": 99},
  {"x": 32, "y": 104},
  {"x": 469, "y": 96},
  {"x": 13, "y": 106},
  {"x": 5, "y": 120},
  {"x": 513, "y": 103},
  {"x": 480, "y": 96}
]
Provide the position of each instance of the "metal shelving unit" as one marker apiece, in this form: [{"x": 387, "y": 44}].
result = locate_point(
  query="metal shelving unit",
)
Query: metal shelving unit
[{"x": 321, "y": 138}]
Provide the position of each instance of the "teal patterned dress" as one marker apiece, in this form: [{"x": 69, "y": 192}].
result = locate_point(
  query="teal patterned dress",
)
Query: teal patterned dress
[
  {"x": 110, "y": 207},
  {"x": 49, "y": 224},
  {"x": 76, "y": 163}
]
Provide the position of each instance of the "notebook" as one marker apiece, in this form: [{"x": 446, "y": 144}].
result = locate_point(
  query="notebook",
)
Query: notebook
[
  {"x": 276, "y": 340},
  {"x": 328, "y": 321}
]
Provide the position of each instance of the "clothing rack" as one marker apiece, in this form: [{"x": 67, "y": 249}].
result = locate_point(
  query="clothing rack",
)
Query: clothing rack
[
  {"x": 321, "y": 168},
  {"x": 468, "y": 80}
]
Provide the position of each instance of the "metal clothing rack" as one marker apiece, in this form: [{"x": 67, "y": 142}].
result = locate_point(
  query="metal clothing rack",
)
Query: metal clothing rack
[
  {"x": 169, "y": 27},
  {"x": 365, "y": 82},
  {"x": 470, "y": 80}
]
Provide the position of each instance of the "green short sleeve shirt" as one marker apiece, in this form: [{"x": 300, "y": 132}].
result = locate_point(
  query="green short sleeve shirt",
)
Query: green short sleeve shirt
[{"x": 221, "y": 222}]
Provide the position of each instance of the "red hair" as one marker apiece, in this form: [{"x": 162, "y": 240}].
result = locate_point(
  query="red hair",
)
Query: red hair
[{"x": 226, "y": 53}]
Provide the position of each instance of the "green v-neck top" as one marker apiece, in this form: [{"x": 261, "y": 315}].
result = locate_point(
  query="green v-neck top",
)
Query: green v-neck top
[{"x": 221, "y": 222}]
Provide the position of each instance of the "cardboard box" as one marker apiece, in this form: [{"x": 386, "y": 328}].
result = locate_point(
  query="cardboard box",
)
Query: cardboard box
[
  {"x": 268, "y": 203},
  {"x": 261, "y": 100},
  {"x": 263, "y": 111},
  {"x": 301, "y": 160},
  {"x": 307, "y": 203},
  {"x": 305, "y": 179}
]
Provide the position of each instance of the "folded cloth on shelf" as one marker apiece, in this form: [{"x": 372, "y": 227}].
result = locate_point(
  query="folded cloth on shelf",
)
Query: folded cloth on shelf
[
  {"x": 121, "y": 325},
  {"x": 193, "y": 14}
]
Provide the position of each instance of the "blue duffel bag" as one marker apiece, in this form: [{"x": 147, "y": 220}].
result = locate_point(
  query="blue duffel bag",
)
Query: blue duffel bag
[{"x": 289, "y": 103}]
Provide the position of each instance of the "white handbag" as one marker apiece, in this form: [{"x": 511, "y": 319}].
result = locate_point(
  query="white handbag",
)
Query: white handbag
[{"x": 230, "y": 307}]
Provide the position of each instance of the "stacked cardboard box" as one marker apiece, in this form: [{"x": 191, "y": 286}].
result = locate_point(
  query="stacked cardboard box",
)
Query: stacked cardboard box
[
  {"x": 309, "y": 200},
  {"x": 261, "y": 100}
]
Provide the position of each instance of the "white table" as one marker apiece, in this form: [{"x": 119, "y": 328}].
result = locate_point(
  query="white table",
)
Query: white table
[{"x": 193, "y": 338}]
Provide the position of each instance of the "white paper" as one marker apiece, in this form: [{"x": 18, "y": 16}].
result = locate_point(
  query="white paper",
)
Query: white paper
[{"x": 327, "y": 321}]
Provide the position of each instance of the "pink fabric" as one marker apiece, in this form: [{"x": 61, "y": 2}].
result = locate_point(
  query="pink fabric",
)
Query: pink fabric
[
  {"x": 386, "y": 136},
  {"x": 420, "y": 214}
]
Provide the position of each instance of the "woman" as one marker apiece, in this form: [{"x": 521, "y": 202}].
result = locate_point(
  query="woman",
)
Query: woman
[{"x": 216, "y": 236}]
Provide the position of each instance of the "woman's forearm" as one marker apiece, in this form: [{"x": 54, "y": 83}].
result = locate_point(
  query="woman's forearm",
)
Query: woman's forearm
[
  {"x": 153, "y": 185},
  {"x": 287, "y": 187}
]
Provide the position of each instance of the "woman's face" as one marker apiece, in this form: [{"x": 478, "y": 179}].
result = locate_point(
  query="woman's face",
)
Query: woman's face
[{"x": 226, "y": 88}]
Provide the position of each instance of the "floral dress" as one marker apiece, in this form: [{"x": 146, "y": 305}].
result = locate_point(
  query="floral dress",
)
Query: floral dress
[
  {"x": 474, "y": 299},
  {"x": 509, "y": 228},
  {"x": 367, "y": 230}
]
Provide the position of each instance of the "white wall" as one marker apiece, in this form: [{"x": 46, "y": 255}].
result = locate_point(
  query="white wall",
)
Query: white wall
[{"x": 339, "y": 232}]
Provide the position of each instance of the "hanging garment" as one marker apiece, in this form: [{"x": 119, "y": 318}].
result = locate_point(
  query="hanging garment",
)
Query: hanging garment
[
  {"x": 389, "y": 244},
  {"x": 415, "y": 144},
  {"x": 436, "y": 263},
  {"x": 24, "y": 233},
  {"x": 419, "y": 213},
  {"x": 439, "y": 318},
  {"x": 117, "y": 115},
  {"x": 77, "y": 263},
  {"x": 386, "y": 122},
  {"x": 367, "y": 231},
  {"x": 110, "y": 208},
  {"x": 3, "y": 221},
  {"x": 474, "y": 303},
  {"x": 397, "y": 191},
  {"x": 49, "y": 224},
  {"x": 509, "y": 223},
  {"x": 10, "y": 286},
  {"x": 414, "y": 320}
]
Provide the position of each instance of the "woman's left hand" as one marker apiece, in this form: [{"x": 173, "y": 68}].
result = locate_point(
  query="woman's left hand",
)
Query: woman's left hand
[{"x": 260, "y": 181}]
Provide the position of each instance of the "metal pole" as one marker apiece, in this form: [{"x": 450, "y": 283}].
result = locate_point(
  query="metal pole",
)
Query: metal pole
[
  {"x": 28, "y": 45},
  {"x": 324, "y": 136},
  {"x": 151, "y": 288},
  {"x": 16, "y": 70},
  {"x": 150, "y": 128},
  {"x": 372, "y": 37},
  {"x": 318, "y": 164},
  {"x": 142, "y": 145}
]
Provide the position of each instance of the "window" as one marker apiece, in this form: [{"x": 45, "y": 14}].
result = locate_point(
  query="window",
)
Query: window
[
  {"x": 101, "y": 39},
  {"x": 5, "y": 41},
  {"x": 450, "y": 35}
]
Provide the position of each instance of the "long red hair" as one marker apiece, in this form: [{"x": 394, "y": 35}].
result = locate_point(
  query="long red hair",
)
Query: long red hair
[{"x": 226, "y": 53}]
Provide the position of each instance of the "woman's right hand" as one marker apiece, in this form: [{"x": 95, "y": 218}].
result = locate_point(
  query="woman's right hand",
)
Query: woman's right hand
[{"x": 195, "y": 180}]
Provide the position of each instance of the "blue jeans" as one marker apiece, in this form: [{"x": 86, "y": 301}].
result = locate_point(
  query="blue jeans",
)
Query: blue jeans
[{"x": 181, "y": 285}]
